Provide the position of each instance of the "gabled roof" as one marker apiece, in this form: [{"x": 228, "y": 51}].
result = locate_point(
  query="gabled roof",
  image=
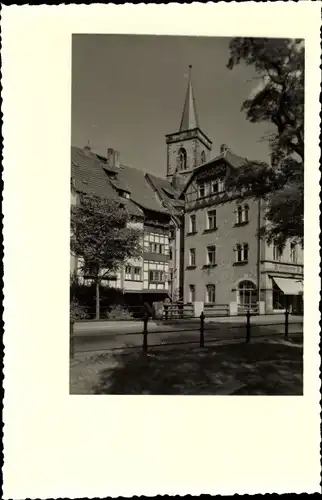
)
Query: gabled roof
[
  {"x": 141, "y": 192},
  {"x": 230, "y": 158},
  {"x": 167, "y": 193},
  {"x": 90, "y": 176}
]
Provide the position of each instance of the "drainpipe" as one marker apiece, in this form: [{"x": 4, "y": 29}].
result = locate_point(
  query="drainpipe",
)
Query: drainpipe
[{"x": 259, "y": 254}]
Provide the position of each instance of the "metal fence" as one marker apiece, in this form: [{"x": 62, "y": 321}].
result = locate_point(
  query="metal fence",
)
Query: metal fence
[{"x": 202, "y": 331}]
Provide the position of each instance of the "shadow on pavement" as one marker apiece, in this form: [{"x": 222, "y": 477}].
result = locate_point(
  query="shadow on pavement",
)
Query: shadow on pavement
[{"x": 264, "y": 369}]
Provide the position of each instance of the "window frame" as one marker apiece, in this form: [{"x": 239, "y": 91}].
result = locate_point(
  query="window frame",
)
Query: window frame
[
  {"x": 192, "y": 257},
  {"x": 211, "y": 287},
  {"x": 182, "y": 159},
  {"x": 192, "y": 223},
  {"x": 293, "y": 253},
  {"x": 240, "y": 250},
  {"x": 211, "y": 216},
  {"x": 132, "y": 273},
  {"x": 157, "y": 272},
  {"x": 201, "y": 187},
  {"x": 243, "y": 291},
  {"x": 192, "y": 294},
  {"x": 211, "y": 250}
]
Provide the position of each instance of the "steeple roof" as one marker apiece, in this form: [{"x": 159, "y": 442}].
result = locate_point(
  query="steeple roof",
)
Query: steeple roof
[{"x": 189, "y": 118}]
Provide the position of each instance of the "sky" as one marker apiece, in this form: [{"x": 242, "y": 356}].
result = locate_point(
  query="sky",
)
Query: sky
[{"x": 128, "y": 92}]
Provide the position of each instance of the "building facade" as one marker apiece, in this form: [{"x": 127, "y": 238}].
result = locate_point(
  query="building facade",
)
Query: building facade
[
  {"x": 226, "y": 262},
  {"x": 200, "y": 244},
  {"x": 148, "y": 278}
]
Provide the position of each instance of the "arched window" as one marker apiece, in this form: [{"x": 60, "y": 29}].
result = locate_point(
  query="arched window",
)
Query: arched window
[
  {"x": 239, "y": 253},
  {"x": 247, "y": 294},
  {"x": 182, "y": 159},
  {"x": 239, "y": 214},
  {"x": 242, "y": 251},
  {"x": 246, "y": 210},
  {"x": 203, "y": 157}
]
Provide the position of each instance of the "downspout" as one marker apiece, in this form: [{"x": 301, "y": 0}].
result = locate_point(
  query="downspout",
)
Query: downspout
[{"x": 259, "y": 254}]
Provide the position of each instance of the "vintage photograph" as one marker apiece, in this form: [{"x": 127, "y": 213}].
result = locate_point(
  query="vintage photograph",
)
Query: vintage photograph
[{"x": 187, "y": 215}]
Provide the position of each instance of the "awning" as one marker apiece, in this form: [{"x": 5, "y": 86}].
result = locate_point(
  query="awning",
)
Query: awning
[{"x": 289, "y": 286}]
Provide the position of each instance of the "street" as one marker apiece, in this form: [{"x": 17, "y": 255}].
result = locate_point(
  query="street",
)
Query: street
[{"x": 98, "y": 336}]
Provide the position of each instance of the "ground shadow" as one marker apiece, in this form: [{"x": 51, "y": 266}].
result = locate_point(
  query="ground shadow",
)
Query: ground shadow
[{"x": 263, "y": 368}]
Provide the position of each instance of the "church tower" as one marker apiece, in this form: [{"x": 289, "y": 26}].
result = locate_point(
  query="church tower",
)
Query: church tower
[{"x": 190, "y": 147}]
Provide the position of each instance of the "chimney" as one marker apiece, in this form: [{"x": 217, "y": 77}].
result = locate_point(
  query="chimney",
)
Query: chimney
[
  {"x": 116, "y": 159},
  {"x": 113, "y": 158},
  {"x": 223, "y": 149},
  {"x": 87, "y": 149},
  {"x": 110, "y": 157}
]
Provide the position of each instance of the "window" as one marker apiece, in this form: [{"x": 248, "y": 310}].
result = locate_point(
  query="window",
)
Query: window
[
  {"x": 156, "y": 248},
  {"x": 202, "y": 191},
  {"x": 170, "y": 253},
  {"x": 182, "y": 159},
  {"x": 132, "y": 273},
  {"x": 193, "y": 227},
  {"x": 242, "y": 252},
  {"x": 210, "y": 294},
  {"x": 192, "y": 293},
  {"x": 246, "y": 210},
  {"x": 277, "y": 254},
  {"x": 157, "y": 276},
  {"x": 124, "y": 194},
  {"x": 245, "y": 248},
  {"x": 293, "y": 253},
  {"x": 247, "y": 294},
  {"x": 192, "y": 257},
  {"x": 239, "y": 213},
  {"x": 137, "y": 274},
  {"x": 211, "y": 219},
  {"x": 128, "y": 272},
  {"x": 242, "y": 214},
  {"x": 215, "y": 187},
  {"x": 279, "y": 299},
  {"x": 203, "y": 157},
  {"x": 211, "y": 255}
]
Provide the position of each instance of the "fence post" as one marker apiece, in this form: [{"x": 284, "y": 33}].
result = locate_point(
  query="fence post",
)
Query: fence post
[
  {"x": 286, "y": 323},
  {"x": 202, "y": 329},
  {"x": 145, "y": 333},
  {"x": 248, "y": 326},
  {"x": 71, "y": 338}
]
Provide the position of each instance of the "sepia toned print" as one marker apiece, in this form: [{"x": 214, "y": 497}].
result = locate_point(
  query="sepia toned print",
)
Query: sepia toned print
[{"x": 187, "y": 216}]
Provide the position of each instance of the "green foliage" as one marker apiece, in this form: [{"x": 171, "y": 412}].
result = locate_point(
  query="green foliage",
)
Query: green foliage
[
  {"x": 85, "y": 295},
  {"x": 76, "y": 311},
  {"x": 99, "y": 234},
  {"x": 102, "y": 237},
  {"x": 279, "y": 99},
  {"x": 118, "y": 312}
]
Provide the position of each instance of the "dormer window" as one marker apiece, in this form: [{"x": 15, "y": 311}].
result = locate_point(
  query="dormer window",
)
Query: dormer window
[
  {"x": 215, "y": 186},
  {"x": 182, "y": 159},
  {"x": 124, "y": 194},
  {"x": 202, "y": 191}
]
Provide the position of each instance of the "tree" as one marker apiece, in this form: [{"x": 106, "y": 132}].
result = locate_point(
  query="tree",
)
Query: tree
[
  {"x": 101, "y": 236},
  {"x": 278, "y": 99}
]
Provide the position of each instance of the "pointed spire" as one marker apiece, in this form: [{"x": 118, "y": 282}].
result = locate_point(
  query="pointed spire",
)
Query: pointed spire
[{"x": 189, "y": 118}]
